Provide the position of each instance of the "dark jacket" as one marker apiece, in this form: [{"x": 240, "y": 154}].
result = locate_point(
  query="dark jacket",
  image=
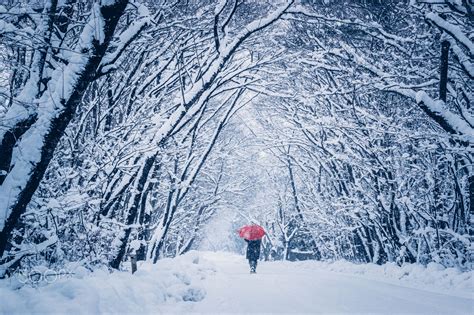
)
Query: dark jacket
[{"x": 253, "y": 249}]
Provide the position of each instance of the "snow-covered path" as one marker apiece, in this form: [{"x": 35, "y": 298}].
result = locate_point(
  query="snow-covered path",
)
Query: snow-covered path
[
  {"x": 220, "y": 283},
  {"x": 279, "y": 288}
]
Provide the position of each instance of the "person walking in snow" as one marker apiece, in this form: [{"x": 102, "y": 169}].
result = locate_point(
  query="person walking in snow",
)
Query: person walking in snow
[
  {"x": 252, "y": 234},
  {"x": 253, "y": 253}
]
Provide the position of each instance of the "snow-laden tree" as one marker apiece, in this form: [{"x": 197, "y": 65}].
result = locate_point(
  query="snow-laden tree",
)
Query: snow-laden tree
[
  {"x": 370, "y": 167},
  {"x": 61, "y": 58},
  {"x": 147, "y": 126},
  {"x": 345, "y": 130}
]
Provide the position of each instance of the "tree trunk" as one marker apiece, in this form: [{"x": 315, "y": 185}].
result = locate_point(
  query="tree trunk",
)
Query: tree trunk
[
  {"x": 443, "y": 78},
  {"x": 133, "y": 212}
]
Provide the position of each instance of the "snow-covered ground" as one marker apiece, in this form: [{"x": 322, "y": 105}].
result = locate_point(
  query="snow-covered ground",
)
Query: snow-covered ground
[
  {"x": 312, "y": 287},
  {"x": 166, "y": 287},
  {"x": 207, "y": 282}
]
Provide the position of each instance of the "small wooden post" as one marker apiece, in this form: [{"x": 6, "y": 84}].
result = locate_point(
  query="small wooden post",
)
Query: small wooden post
[{"x": 133, "y": 260}]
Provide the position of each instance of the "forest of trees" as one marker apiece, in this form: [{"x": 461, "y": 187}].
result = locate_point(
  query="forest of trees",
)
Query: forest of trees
[{"x": 345, "y": 128}]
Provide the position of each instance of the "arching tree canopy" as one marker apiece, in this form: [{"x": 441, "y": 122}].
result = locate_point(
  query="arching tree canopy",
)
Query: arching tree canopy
[{"x": 149, "y": 128}]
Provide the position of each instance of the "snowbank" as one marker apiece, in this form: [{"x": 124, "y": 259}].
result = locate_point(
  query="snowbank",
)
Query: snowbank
[
  {"x": 433, "y": 277},
  {"x": 152, "y": 289}
]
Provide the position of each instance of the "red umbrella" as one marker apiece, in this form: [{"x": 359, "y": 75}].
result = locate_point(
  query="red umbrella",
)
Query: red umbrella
[{"x": 251, "y": 232}]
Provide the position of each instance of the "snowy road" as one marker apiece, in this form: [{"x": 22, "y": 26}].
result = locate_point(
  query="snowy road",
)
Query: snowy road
[{"x": 277, "y": 288}]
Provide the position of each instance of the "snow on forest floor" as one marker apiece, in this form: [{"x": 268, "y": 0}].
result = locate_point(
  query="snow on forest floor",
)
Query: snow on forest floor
[{"x": 207, "y": 282}]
